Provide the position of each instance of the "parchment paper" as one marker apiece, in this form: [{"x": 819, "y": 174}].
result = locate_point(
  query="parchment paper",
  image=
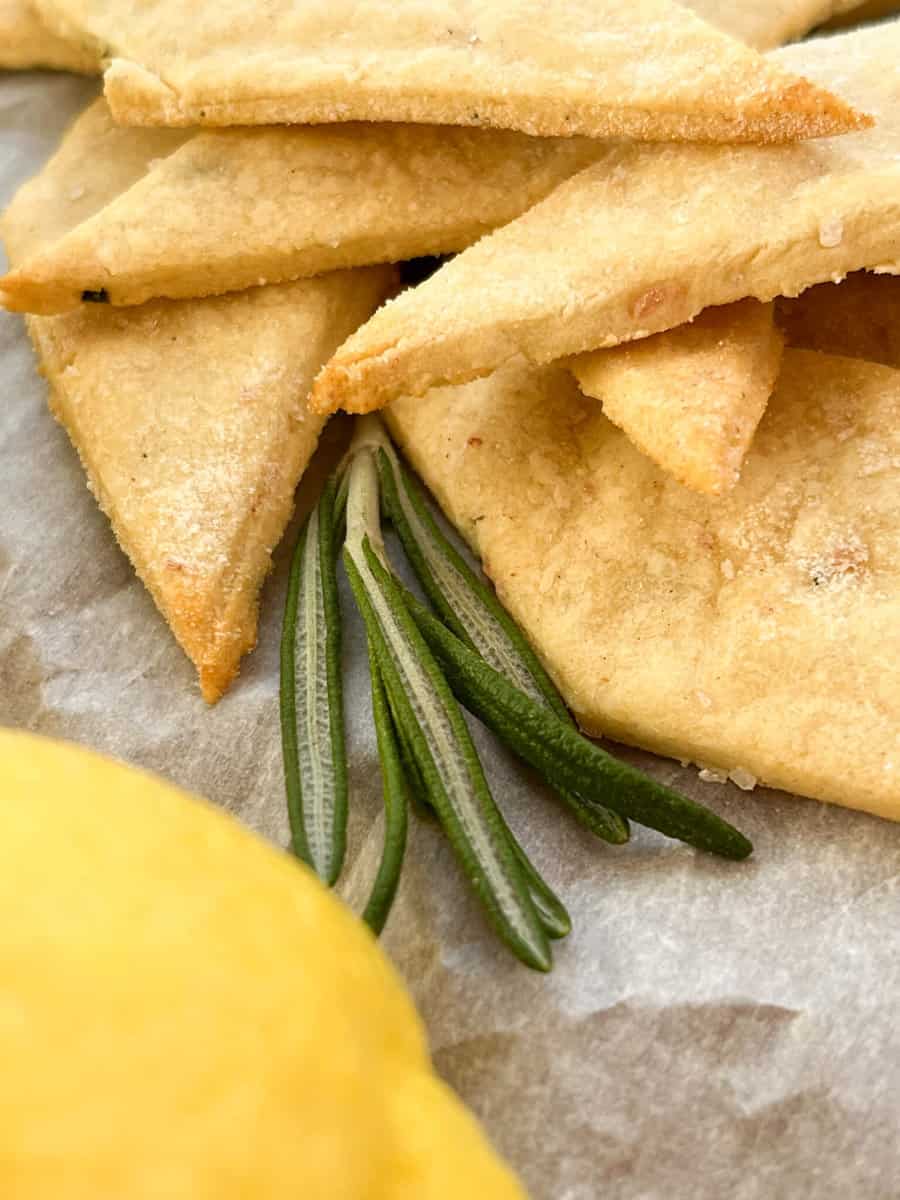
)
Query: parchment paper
[{"x": 710, "y": 1030}]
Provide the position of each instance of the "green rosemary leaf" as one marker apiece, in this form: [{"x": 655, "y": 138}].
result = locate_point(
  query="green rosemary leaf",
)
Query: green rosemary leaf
[
  {"x": 557, "y": 750},
  {"x": 462, "y": 600},
  {"x": 414, "y": 780},
  {"x": 342, "y": 486},
  {"x": 312, "y": 719},
  {"x": 436, "y": 730},
  {"x": 551, "y": 910},
  {"x": 394, "y": 789}
]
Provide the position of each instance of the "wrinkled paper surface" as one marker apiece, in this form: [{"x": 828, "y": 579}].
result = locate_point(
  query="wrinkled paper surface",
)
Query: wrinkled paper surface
[{"x": 710, "y": 1030}]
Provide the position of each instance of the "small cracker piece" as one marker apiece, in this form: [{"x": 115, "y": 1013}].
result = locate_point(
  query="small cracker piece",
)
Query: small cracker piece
[{"x": 692, "y": 397}]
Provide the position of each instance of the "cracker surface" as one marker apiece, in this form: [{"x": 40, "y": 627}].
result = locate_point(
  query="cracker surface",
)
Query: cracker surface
[
  {"x": 26, "y": 42},
  {"x": 235, "y": 208}
]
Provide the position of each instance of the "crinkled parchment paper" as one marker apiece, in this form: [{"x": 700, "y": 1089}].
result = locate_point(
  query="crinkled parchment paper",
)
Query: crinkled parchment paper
[{"x": 711, "y": 1030}]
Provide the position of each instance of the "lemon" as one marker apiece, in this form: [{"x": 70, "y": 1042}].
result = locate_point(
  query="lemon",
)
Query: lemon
[{"x": 186, "y": 1013}]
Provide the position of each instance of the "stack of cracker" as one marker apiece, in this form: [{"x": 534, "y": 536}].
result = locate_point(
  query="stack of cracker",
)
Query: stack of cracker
[{"x": 657, "y": 388}]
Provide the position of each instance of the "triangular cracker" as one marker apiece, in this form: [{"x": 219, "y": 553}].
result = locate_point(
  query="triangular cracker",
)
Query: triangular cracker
[
  {"x": 859, "y": 317},
  {"x": 645, "y": 239},
  {"x": 190, "y": 417},
  {"x": 234, "y": 208},
  {"x": 691, "y": 398},
  {"x": 26, "y": 42},
  {"x": 757, "y": 633},
  {"x": 645, "y": 69}
]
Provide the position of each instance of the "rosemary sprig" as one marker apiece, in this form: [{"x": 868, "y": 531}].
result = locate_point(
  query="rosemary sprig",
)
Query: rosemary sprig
[
  {"x": 312, "y": 719},
  {"x": 434, "y": 726},
  {"x": 475, "y": 615},
  {"x": 396, "y": 803},
  {"x": 421, "y": 666}
]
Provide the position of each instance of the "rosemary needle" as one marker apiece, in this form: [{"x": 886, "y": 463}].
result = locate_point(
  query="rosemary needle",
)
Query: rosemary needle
[
  {"x": 312, "y": 719},
  {"x": 435, "y": 728},
  {"x": 394, "y": 790}
]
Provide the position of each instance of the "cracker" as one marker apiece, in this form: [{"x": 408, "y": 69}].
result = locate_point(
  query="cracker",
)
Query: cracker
[
  {"x": 235, "y": 208},
  {"x": 26, "y": 42},
  {"x": 189, "y": 416},
  {"x": 691, "y": 398},
  {"x": 645, "y": 239},
  {"x": 645, "y": 69},
  {"x": 859, "y": 318},
  {"x": 757, "y": 632}
]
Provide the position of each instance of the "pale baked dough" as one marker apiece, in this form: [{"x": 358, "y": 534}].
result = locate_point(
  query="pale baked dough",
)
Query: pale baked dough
[
  {"x": 26, "y": 42},
  {"x": 757, "y": 631},
  {"x": 859, "y": 317},
  {"x": 691, "y": 398},
  {"x": 190, "y": 417},
  {"x": 645, "y": 69},
  {"x": 645, "y": 239},
  {"x": 234, "y": 208}
]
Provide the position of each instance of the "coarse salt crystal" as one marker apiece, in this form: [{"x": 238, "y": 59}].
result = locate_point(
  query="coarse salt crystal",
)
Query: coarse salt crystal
[
  {"x": 727, "y": 568},
  {"x": 711, "y": 775},
  {"x": 831, "y": 233},
  {"x": 76, "y": 193},
  {"x": 705, "y": 700},
  {"x": 745, "y": 780}
]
